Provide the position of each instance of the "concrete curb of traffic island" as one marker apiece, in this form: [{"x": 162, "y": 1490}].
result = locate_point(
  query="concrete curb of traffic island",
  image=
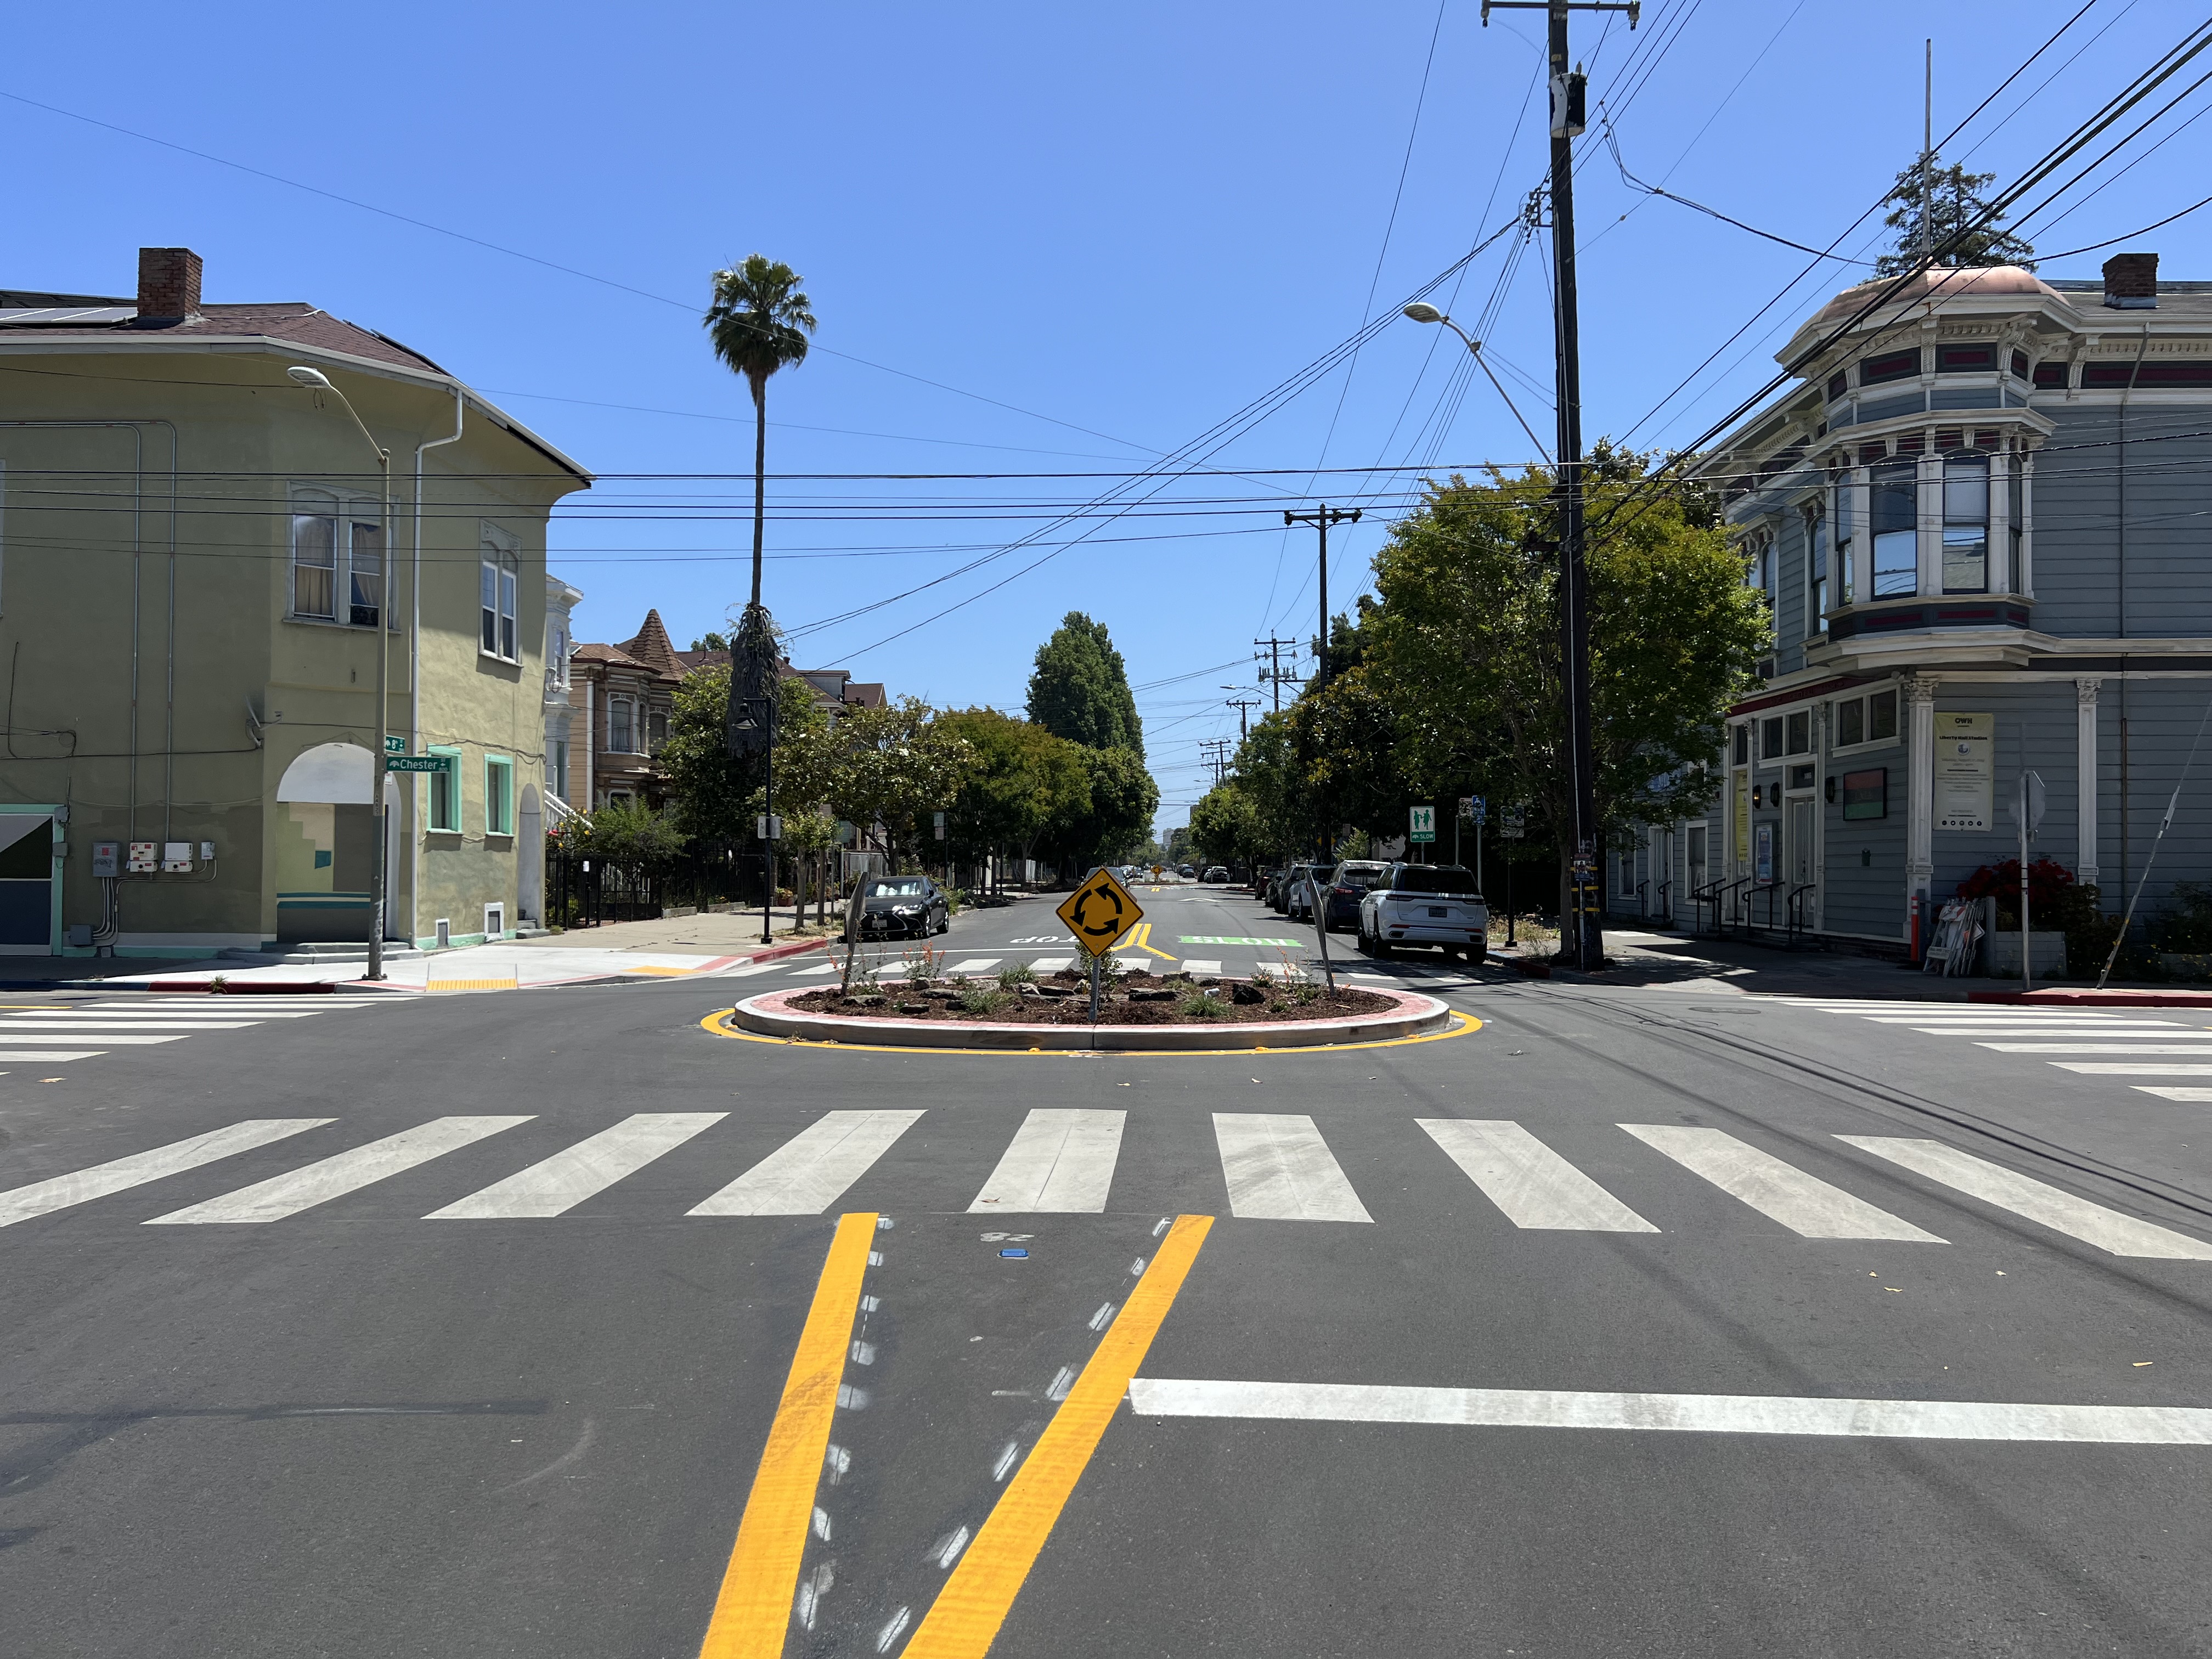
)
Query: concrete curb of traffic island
[{"x": 768, "y": 1015}]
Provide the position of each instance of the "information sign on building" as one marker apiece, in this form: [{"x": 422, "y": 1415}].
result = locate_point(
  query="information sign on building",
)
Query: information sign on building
[{"x": 1966, "y": 771}]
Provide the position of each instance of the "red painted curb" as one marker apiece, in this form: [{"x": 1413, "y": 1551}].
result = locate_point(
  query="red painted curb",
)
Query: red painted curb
[
  {"x": 804, "y": 944},
  {"x": 2099, "y": 999}
]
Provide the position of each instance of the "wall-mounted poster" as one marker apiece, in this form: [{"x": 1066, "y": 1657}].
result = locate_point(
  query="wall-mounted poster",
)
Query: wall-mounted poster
[
  {"x": 1966, "y": 771},
  {"x": 1741, "y": 788},
  {"x": 1763, "y": 855},
  {"x": 1866, "y": 795}
]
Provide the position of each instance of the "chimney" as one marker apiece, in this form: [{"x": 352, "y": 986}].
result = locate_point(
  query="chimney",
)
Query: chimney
[
  {"x": 2131, "y": 282},
  {"x": 168, "y": 284}
]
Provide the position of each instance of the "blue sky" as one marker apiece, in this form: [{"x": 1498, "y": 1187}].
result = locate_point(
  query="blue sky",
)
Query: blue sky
[{"x": 1100, "y": 234}]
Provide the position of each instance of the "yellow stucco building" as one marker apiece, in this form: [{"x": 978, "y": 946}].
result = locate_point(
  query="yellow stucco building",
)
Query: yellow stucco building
[{"x": 196, "y": 573}]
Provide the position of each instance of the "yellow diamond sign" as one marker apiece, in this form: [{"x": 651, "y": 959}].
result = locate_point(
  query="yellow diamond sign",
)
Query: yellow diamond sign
[{"x": 1100, "y": 911}]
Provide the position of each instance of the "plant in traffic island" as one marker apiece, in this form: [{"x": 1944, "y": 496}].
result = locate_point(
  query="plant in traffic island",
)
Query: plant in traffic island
[
  {"x": 1020, "y": 974},
  {"x": 923, "y": 965},
  {"x": 980, "y": 996},
  {"x": 1201, "y": 1004},
  {"x": 1108, "y": 969}
]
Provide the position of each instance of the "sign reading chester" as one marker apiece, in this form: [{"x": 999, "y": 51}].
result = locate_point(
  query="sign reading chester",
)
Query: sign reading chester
[{"x": 1100, "y": 911}]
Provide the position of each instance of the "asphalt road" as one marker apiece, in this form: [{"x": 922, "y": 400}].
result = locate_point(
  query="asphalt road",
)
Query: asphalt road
[{"x": 1462, "y": 1365}]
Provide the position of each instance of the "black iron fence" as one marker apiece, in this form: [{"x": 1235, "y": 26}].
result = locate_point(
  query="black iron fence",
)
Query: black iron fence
[{"x": 583, "y": 891}]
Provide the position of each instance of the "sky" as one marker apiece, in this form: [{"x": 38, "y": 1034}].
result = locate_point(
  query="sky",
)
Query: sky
[{"x": 1090, "y": 272}]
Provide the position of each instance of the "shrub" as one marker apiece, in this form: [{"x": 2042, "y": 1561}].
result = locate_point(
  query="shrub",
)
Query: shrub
[
  {"x": 979, "y": 996},
  {"x": 1010, "y": 977},
  {"x": 923, "y": 965},
  {"x": 1200, "y": 1005},
  {"x": 2186, "y": 926}
]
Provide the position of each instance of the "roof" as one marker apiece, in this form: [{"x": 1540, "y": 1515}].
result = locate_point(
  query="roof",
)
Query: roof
[
  {"x": 612, "y": 655},
  {"x": 865, "y": 694},
  {"x": 292, "y": 320},
  {"x": 651, "y": 646}
]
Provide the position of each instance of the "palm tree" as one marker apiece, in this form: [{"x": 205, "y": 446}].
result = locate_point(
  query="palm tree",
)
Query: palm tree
[{"x": 759, "y": 322}]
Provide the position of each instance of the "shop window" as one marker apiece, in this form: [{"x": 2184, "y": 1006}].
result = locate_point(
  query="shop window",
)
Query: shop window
[
  {"x": 1770, "y": 737},
  {"x": 1799, "y": 730},
  {"x": 1881, "y": 716}
]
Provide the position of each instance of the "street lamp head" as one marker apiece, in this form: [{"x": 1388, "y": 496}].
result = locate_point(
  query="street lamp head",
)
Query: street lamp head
[
  {"x": 313, "y": 378},
  {"x": 1422, "y": 312}
]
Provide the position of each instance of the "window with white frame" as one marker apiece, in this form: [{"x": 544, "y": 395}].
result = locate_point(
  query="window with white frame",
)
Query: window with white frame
[
  {"x": 557, "y": 763},
  {"x": 621, "y": 725},
  {"x": 445, "y": 792},
  {"x": 1868, "y": 720},
  {"x": 1847, "y": 577},
  {"x": 1895, "y": 505},
  {"x": 656, "y": 730},
  {"x": 1816, "y": 569},
  {"x": 499, "y": 569},
  {"x": 499, "y": 795},
  {"x": 338, "y": 559},
  {"x": 1965, "y": 524},
  {"x": 556, "y": 654}
]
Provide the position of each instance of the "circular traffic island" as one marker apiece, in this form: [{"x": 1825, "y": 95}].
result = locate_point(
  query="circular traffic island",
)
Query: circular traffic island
[{"x": 1139, "y": 1012}]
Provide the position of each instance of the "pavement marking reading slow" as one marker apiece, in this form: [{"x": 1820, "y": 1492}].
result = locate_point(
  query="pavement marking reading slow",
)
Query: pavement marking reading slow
[
  {"x": 345, "y": 1172},
  {"x": 1681, "y": 1413},
  {"x": 810, "y": 1171},
  {"x": 1059, "y": 1160},
  {"x": 753, "y": 1609},
  {"x": 2061, "y": 1211},
  {"x": 1279, "y": 1168},
  {"x": 1530, "y": 1182},
  {"x": 565, "y": 1180},
  {"x": 82, "y": 1186},
  {"x": 969, "y": 1610},
  {"x": 1808, "y": 1206}
]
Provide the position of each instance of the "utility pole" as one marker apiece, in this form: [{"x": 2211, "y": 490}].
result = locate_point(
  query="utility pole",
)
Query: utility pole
[
  {"x": 1243, "y": 705},
  {"x": 1273, "y": 673},
  {"x": 1216, "y": 753},
  {"x": 1567, "y": 107},
  {"x": 1321, "y": 520}
]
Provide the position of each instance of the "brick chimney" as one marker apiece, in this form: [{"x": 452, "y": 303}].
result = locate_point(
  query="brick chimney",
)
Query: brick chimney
[
  {"x": 2131, "y": 282},
  {"x": 168, "y": 284}
]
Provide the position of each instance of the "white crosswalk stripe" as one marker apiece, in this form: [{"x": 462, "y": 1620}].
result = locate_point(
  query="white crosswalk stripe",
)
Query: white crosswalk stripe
[
  {"x": 817, "y": 970},
  {"x": 64, "y": 1031},
  {"x": 119, "y": 1175},
  {"x": 89, "y": 1023},
  {"x": 2062, "y": 1211},
  {"x": 2131, "y": 1068},
  {"x": 2198, "y": 1095},
  {"x": 1278, "y": 1167},
  {"x": 1200, "y": 965},
  {"x": 975, "y": 965},
  {"x": 334, "y": 1177},
  {"x": 1052, "y": 965},
  {"x": 1059, "y": 1161},
  {"x": 2098, "y": 1047},
  {"x": 2059, "y": 1029},
  {"x": 591, "y": 1166},
  {"x": 1530, "y": 1182},
  {"x": 2053, "y": 1030},
  {"x": 52, "y": 1057},
  {"x": 810, "y": 1171},
  {"x": 1803, "y": 1203},
  {"x": 25, "y": 1039}
]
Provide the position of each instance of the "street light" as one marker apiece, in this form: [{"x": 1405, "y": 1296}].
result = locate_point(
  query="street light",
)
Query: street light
[
  {"x": 1422, "y": 312},
  {"x": 318, "y": 382}
]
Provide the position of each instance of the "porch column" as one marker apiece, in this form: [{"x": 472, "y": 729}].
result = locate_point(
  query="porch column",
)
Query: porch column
[
  {"x": 1920, "y": 796},
  {"x": 2085, "y": 780}
]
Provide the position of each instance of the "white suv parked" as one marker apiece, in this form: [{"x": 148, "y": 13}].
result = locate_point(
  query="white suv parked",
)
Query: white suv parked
[{"x": 1426, "y": 905}]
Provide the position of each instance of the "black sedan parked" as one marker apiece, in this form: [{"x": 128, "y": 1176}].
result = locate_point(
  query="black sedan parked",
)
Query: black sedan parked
[
  {"x": 1347, "y": 887},
  {"x": 902, "y": 907}
]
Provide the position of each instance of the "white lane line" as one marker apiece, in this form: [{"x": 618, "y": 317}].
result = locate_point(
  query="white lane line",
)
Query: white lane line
[
  {"x": 2131, "y": 1068},
  {"x": 752, "y": 968},
  {"x": 1968, "y": 1017},
  {"x": 1279, "y": 1168},
  {"x": 98, "y": 1012},
  {"x": 1052, "y": 965},
  {"x": 82, "y": 1186},
  {"x": 105, "y": 1040},
  {"x": 2198, "y": 1095},
  {"x": 334, "y": 1177},
  {"x": 76, "y": 1022},
  {"x": 810, "y": 1171},
  {"x": 1530, "y": 1182},
  {"x": 1200, "y": 965},
  {"x": 1804, "y": 1204},
  {"x": 2070, "y": 1033},
  {"x": 1680, "y": 1413},
  {"x": 973, "y": 965},
  {"x": 258, "y": 1004},
  {"x": 2061, "y": 1211},
  {"x": 2099, "y": 1048},
  {"x": 560, "y": 1183},
  {"x": 56, "y": 1056},
  {"x": 1058, "y": 1161}
]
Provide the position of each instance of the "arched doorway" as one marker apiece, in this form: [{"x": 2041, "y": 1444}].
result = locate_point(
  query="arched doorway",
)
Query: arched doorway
[{"x": 326, "y": 844}]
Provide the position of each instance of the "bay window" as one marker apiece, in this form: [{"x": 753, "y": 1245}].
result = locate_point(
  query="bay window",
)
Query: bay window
[
  {"x": 1895, "y": 504},
  {"x": 1965, "y": 524}
]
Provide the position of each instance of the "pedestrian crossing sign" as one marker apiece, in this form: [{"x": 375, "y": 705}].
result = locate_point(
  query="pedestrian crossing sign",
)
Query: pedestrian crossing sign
[{"x": 1100, "y": 911}]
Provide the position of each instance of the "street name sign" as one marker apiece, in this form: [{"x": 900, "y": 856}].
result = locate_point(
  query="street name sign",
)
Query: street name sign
[
  {"x": 1424, "y": 826},
  {"x": 418, "y": 763},
  {"x": 1100, "y": 911}
]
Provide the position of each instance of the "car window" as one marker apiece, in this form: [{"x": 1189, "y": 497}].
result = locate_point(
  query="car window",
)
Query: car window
[
  {"x": 1349, "y": 874},
  {"x": 1432, "y": 878},
  {"x": 898, "y": 887}
]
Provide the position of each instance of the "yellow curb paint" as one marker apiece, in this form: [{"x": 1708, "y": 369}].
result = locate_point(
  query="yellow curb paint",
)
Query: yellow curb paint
[
  {"x": 965, "y": 1619},
  {"x": 469, "y": 985},
  {"x": 754, "y": 1607},
  {"x": 712, "y": 1025}
]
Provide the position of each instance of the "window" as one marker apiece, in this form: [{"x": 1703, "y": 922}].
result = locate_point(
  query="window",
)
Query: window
[
  {"x": 1696, "y": 856},
  {"x": 338, "y": 559},
  {"x": 1816, "y": 569},
  {"x": 1850, "y": 577},
  {"x": 2020, "y": 365},
  {"x": 2015, "y": 486},
  {"x": 2050, "y": 375},
  {"x": 1743, "y": 745},
  {"x": 620, "y": 725},
  {"x": 1870, "y": 718},
  {"x": 1966, "y": 523},
  {"x": 1801, "y": 732},
  {"x": 1881, "y": 716},
  {"x": 365, "y": 559},
  {"x": 558, "y": 756},
  {"x": 499, "y": 795},
  {"x": 1770, "y": 737},
  {"x": 656, "y": 730},
  {"x": 446, "y": 793},
  {"x": 497, "y": 636},
  {"x": 1838, "y": 384},
  {"x": 556, "y": 656},
  {"x": 1895, "y": 497},
  {"x": 1890, "y": 365},
  {"x": 1965, "y": 359},
  {"x": 1850, "y": 722},
  {"x": 314, "y": 557}
]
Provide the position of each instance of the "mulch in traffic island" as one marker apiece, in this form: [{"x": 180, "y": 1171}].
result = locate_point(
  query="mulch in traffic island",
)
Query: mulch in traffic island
[{"x": 1064, "y": 998}]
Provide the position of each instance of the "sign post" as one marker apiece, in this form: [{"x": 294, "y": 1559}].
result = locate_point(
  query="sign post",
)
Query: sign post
[
  {"x": 1423, "y": 827},
  {"x": 2027, "y": 809},
  {"x": 1097, "y": 912}
]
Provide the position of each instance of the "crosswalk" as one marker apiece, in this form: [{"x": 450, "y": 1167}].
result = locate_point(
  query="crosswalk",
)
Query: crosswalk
[
  {"x": 1430, "y": 976},
  {"x": 2010, "y": 1029},
  {"x": 63, "y": 1032},
  {"x": 1271, "y": 1166}
]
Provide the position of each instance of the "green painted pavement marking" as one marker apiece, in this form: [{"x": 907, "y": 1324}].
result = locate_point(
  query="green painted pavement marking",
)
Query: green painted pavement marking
[{"x": 1212, "y": 938}]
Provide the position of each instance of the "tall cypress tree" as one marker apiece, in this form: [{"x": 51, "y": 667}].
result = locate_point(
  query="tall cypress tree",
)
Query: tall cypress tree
[
  {"x": 1080, "y": 689},
  {"x": 1947, "y": 202}
]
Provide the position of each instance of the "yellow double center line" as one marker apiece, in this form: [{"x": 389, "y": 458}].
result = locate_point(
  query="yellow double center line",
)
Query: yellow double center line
[
  {"x": 1139, "y": 938},
  {"x": 760, "y": 1583}
]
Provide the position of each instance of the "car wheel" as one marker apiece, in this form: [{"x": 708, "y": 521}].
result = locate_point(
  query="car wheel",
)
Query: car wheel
[{"x": 1383, "y": 951}]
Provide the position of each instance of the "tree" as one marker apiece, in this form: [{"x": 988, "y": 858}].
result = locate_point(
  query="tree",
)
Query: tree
[
  {"x": 1022, "y": 781},
  {"x": 1080, "y": 690},
  {"x": 1465, "y": 643},
  {"x": 891, "y": 766},
  {"x": 1117, "y": 816},
  {"x": 710, "y": 641},
  {"x": 1225, "y": 828},
  {"x": 759, "y": 323},
  {"x": 717, "y": 794},
  {"x": 1960, "y": 228}
]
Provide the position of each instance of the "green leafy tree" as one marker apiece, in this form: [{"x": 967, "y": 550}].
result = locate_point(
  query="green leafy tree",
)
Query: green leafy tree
[
  {"x": 1225, "y": 828},
  {"x": 1273, "y": 776},
  {"x": 1118, "y": 817},
  {"x": 1465, "y": 643},
  {"x": 632, "y": 837},
  {"x": 1080, "y": 688},
  {"x": 717, "y": 795},
  {"x": 711, "y": 641},
  {"x": 1024, "y": 780},
  {"x": 891, "y": 767},
  {"x": 1947, "y": 203},
  {"x": 759, "y": 322}
]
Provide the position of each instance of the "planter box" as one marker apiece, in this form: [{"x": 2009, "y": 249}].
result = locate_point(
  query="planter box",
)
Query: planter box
[{"x": 2001, "y": 953}]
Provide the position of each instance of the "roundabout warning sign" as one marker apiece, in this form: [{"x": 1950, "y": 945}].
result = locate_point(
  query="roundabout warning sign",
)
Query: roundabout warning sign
[{"x": 1100, "y": 911}]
